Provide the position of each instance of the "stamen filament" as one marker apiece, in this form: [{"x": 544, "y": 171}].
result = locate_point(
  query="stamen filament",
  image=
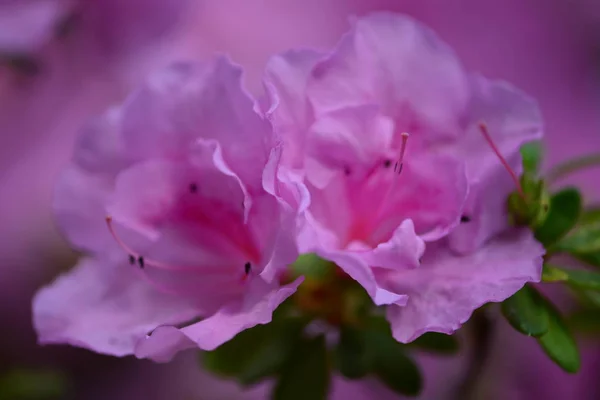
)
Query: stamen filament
[
  {"x": 143, "y": 261},
  {"x": 486, "y": 134}
]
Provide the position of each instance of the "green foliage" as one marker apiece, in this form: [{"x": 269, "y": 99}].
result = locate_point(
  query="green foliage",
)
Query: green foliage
[
  {"x": 558, "y": 342},
  {"x": 577, "y": 278},
  {"x": 565, "y": 210},
  {"x": 306, "y": 374},
  {"x": 585, "y": 238},
  {"x": 437, "y": 343},
  {"x": 527, "y": 312},
  {"x": 257, "y": 353},
  {"x": 531, "y": 207}
]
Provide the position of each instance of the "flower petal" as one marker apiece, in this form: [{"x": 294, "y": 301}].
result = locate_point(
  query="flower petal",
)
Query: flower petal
[
  {"x": 103, "y": 307},
  {"x": 393, "y": 61},
  {"x": 285, "y": 80},
  {"x": 257, "y": 308},
  {"x": 513, "y": 119},
  {"x": 193, "y": 101},
  {"x": 446, "y": 289}
]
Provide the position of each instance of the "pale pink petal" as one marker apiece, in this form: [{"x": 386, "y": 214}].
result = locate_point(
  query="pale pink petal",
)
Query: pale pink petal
[
  {"x": 446, "y": 288},
  {"x": 513, "y": 119},
  {"x": 104, "y": 307},
  {"x": 187, "y": 102},
  {"x": 256, "y": 308},
  {"x": 285, "y": 82},
  {"x": 403, "y": 251},
  {"x": 352, "y": 263},
  {"x": 393, "y": 61}
]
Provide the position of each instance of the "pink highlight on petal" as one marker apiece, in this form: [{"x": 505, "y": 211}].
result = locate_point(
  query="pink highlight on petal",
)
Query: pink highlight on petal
[{"x": 486, "y": 134}]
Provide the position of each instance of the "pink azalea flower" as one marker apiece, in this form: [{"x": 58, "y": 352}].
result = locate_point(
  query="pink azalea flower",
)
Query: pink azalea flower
[
  {"x": 407, "y": 197},
  {"x": 191, "y": 232}
]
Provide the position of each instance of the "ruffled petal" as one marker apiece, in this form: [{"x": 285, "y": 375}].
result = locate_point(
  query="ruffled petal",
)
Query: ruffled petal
[
  {"x": 446, "y": 289},
  {"x": 256, "y": 308},
  {"x": 393, "y": 61},
  {"x": 103, "y": 307}
]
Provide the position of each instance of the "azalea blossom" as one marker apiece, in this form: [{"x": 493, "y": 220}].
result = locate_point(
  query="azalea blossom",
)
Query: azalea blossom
[
  {"x": 407, "y": 196},
  {"x": 175, "y": 200}
]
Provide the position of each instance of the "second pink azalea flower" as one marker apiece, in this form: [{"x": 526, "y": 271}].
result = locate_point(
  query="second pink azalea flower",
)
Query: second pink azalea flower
[
  {"x": 172, "y": 197},
  {"x": 406, "y": 195}
]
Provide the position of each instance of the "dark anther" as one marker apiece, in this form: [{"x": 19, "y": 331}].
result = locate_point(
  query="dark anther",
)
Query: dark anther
[
  {"x": 141, "y": 262},
  {"x": 398, "y": 167},
  {"x": 193, "y": 188},
  {"x": 347, "y": 171},
  {"x": 465, "y": 218},
  {"x": 387, "y": 163},
  {"x": 131, "y": 259},
  {"x": 247, "y": 268}
]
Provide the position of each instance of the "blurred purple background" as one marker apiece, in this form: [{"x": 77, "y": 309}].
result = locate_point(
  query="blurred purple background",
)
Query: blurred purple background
[{"x": 63, "y": 61}]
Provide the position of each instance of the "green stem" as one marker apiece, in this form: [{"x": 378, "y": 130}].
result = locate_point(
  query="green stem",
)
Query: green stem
[{"x": 568, "y": 167}]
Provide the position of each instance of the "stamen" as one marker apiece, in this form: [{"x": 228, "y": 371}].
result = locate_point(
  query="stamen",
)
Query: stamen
[
  {"x": 398, "y": 169},
  {"x": 143, "y": 262},
  {"x": 399, "y": 163},
  {"x": 247, "y": 268},
  {"x": 486, "y": 134}
]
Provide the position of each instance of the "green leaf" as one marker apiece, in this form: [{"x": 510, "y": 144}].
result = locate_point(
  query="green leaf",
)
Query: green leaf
[
  {"x": 21, "y": 384},
  {"x": 590, "y": 258},
  {"x": 591, "y": 215},
  {"x": 437, "y": 343},
  {"x": 526, "y": 311},
  {"x": 584, "y": 239},
  {"x": 390, "y": 363},
  {"x": 565, "y": 209},
  {"x": 351, "y": 353},
  {"x": 306, "y": 375},
  {"x": 532, "y": 156},
  {"x": 558, "y": 343},
  {"x": 575, "y": 277},
  {"x": 255, "y": 353}
]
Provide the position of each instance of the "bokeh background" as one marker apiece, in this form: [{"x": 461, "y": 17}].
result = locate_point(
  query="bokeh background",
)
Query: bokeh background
[{"x": 62, "y": 61}]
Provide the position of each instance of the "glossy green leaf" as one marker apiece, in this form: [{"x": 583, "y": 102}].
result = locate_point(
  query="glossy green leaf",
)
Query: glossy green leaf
[
  {"x": 565, "y": 209},
  {"x": 391, "y": 364},
  {"x": 255, "y": 353},
  {"x": 437, "y": 343},
  {"x": 575, "y": 277},
  {"x": 558, "y": 343},
  {"x": 306, "y": 374},
  {"x": 32, "y": 385},
  {"x": 351, "y": 353},
  {"x": 526, "y": 311},
  {"x": 532, "y": 154}
]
